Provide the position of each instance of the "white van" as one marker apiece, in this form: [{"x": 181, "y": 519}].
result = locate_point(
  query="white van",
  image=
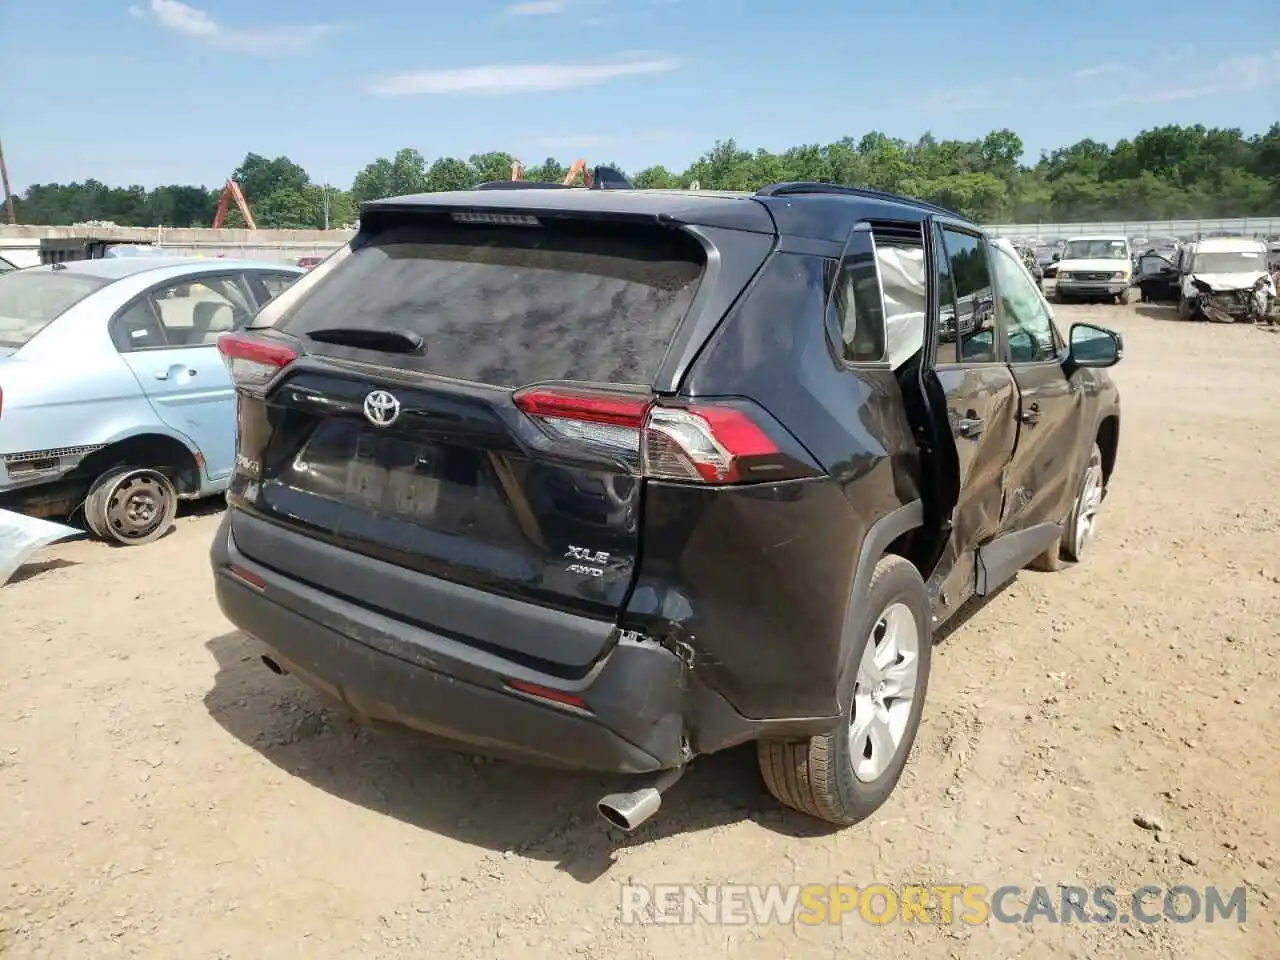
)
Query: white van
[
  {"x": 1218, "y": 275},
  {"x": 1095, "y": 268}
]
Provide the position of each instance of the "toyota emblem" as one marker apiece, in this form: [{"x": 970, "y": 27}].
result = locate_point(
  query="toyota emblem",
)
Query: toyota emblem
[{"x": 381, "y": 408}]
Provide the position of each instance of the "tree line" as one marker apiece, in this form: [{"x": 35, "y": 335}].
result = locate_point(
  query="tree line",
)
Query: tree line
[{"x": 1169, "y": 172}]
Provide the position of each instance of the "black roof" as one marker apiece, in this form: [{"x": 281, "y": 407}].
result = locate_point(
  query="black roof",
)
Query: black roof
[{"x": 820, "y": 211}]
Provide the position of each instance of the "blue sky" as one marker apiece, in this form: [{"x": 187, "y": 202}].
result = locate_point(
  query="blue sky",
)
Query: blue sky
[{"x": 167, "y": 92}]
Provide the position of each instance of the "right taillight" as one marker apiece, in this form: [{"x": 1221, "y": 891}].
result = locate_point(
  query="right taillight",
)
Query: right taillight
[
  {"x": 706, "y": 443},
  {"x": 253, "y": 363}
]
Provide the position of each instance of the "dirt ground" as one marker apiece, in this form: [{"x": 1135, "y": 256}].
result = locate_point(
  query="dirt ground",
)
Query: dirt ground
[{"x": 163, "y": 794}]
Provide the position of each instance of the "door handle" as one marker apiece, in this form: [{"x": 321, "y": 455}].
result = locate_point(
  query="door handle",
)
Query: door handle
[
  {"x": 166, "y": 374},
  {"x": 971, "y": 426},
  {"x": 1031, "y": 414}
]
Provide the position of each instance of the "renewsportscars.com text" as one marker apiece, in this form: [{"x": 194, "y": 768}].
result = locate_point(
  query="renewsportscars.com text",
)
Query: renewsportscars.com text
[{"x": 811, "y": 904}]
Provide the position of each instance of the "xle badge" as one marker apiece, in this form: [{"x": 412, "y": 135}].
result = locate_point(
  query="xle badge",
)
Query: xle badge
[{"x": 586, "y": 562}]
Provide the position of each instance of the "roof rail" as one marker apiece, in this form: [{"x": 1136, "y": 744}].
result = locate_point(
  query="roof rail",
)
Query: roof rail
[
  {"x": 520, "y": 185},
  {"x": 795, "y": 188}
]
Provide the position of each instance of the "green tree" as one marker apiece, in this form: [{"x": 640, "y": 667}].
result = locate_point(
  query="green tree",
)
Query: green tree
[{"x": 1164, "y": 172}]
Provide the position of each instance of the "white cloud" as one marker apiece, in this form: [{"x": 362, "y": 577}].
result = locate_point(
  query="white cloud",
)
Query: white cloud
[
  {"x": 517, "y": 78},
  {"x": 536, "y": 7},
  {"x": 268, "y": 40},
  {"x": 1098, "y": 71},
  {"x": 1241, "y": 74}
]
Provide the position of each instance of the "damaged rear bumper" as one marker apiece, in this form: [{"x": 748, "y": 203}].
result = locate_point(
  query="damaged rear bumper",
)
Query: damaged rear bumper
[{"x": 639, "y": 709}]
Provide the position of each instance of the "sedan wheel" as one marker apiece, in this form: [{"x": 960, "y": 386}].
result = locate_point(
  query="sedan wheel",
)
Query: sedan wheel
[{"x": 131, "y": 506}]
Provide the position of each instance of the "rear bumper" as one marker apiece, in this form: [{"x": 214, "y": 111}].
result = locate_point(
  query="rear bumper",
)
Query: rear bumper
[{"x": 639, "y": 712}]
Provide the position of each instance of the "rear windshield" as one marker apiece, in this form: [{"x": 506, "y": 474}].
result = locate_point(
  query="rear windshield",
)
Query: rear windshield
[
  {"x": 512, "y": 305},
  {"x": 31, "y": 299}
]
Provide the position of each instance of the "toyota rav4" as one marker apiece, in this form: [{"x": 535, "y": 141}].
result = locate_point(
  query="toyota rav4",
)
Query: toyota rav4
[{"x": 609, "y": 479}]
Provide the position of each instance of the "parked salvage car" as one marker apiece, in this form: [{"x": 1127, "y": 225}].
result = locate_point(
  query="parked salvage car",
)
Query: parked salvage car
[
  {"x": 114, "y": 401},
  {"x": 1095, "y": 268},
  {"x": 1219, "y": 278},
  {"x": 610, "y": 479}
]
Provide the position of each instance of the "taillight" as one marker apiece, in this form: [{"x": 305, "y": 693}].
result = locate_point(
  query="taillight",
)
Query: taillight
[
  {"x": 702, "y": 443},
  {"x": 253, "y": 363}
]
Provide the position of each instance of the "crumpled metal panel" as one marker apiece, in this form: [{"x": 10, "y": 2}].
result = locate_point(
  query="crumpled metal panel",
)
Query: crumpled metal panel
[{"x": 21, "y": 536}]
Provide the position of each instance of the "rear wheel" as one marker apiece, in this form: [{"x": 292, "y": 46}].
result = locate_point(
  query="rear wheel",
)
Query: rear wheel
[
  {"x": 131, "y": 506},
  {"x": 1081, "y": 522},
  {"x": 844, "y": 776}
]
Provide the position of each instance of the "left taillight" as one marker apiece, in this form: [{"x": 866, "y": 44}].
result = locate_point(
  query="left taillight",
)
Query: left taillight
[
  {"x": 253, "y": 363},
  {"x": 707, "y": 443}
]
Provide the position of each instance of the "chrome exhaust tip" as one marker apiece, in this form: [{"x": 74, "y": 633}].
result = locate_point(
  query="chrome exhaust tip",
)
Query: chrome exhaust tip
[{"x": 630, "y": 810}]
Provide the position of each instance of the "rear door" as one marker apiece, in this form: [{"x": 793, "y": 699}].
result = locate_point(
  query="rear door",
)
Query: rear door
[
  {"x": 168, "y": 337},
  {"x": 980, "y": 396},
  {"x": 447, "y": 416}
]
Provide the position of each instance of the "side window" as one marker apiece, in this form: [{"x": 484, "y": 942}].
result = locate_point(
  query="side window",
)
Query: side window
[
  {"x": 878, "y": 293},
  {"x": 855, "y": 311},
  {"x": 195, "y": 312},
  {"x": 1028, "y": 326},
  {"x": 138, "y": 328},
  {"x": 974, "y": 322},
  {"x": 267, "y": 286}
]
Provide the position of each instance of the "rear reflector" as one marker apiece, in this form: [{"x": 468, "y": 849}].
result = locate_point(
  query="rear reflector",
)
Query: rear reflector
[
  {"x": 702, "y": 443},
  {"x": 546, "y": 693},
  {"x": 244, "y": 576},
  {"x": 252, "y": 362}
]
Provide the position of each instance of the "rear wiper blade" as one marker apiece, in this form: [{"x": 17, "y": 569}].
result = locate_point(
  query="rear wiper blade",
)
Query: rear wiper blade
[{"x": 371, "y": 338}]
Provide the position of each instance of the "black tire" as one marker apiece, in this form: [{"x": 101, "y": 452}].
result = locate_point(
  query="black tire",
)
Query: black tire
[
  {"x": 1070, "y": 547},
  {"x": 131, "y": 506},
  {"x": 817, "y": 776}
]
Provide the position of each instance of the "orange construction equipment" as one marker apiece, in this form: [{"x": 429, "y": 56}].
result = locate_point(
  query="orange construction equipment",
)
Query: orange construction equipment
[
  {"x": 576, "y": 168},
  {"x": 229, "y": 193}
]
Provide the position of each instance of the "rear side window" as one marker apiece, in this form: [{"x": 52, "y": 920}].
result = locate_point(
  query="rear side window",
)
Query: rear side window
[
  {"x": 31, "y": 299},
  {"x": 512, "y": 305}
]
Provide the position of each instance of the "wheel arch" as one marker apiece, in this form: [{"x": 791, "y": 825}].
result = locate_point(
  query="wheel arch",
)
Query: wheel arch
[
  {"x": 175, "y": 455},
  {"x": 891, "y": 534}
]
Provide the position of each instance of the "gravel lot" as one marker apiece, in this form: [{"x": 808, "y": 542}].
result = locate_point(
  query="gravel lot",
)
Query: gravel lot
[{"x": 165, "y": 795}]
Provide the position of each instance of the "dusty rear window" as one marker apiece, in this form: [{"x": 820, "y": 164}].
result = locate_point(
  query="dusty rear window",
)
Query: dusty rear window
[
  {"x": 32, "y": 299},
  {"x": 512, "y": 305}
]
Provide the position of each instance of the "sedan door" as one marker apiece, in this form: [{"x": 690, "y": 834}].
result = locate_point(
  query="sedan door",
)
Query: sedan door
[{"x": 168, "y": 337}]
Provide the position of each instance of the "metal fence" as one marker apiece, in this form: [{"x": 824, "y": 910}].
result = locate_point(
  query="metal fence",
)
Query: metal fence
[{"x": 1179, "y": 229}]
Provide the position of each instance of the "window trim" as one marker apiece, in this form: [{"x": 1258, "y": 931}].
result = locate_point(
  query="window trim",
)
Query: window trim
[
  {"x": 1002, "y": 322},
  {"x": 236, "y": 277},
  {"x": 836, "y": 336},
  {"x": 999, "y": 347}
]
